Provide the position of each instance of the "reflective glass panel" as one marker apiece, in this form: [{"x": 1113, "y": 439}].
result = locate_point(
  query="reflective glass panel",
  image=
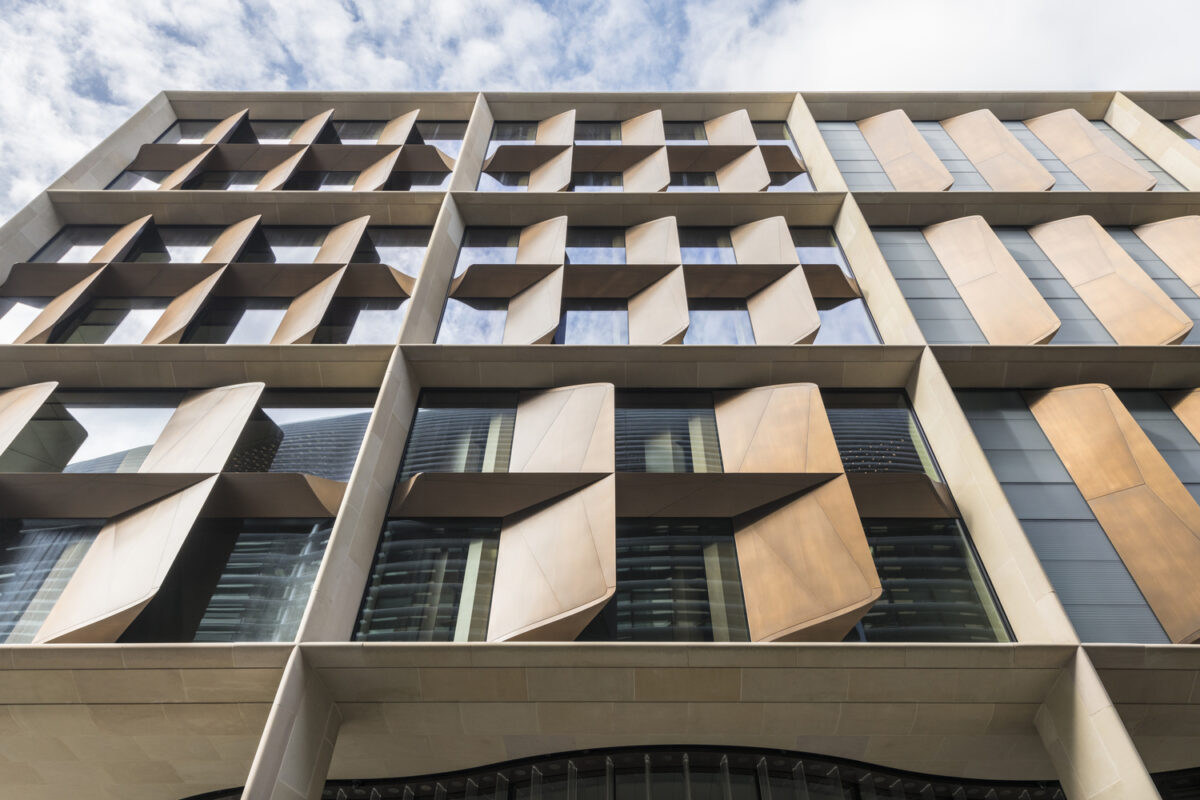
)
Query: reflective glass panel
[
  {"x": 504, "y": 133},
  {"x": 666, "y": 432},
  {"x": 706, "y": 246},
  {"x": 315, "y": 433},
  {"x": 487, "y": 246},
  {"x": 693, "y": 182},
  {"x": 503, "y": 182},
  {"x": 790, "y": 182},
  {"x": 819, "y": 246},
  {"x": 473, "y": 321},
  {"x": 597, "y": 133},
  {"x": 37, "y": 558},
  {"x": 274, "y": 131},
  {"x": 685, "y": 133},
  {"x": 230, "y": 181},
  {"x": 845, "y": 322},
  {"x": 280, "y": 245},
  {"x": 362, "y": 320},
  {"x": 431, "y": 581},
  {"x": 16, "y": 313},
  {"x": 402, "y": 248},
  {"x": 237, "y": 320},
  {"x": 593, "y": 321},
  {"x": 187, "y": 131},
  {"x": 596, "y": 181},
  {"x": 595, "y": 245},
  {"x": 111, "y": 320},
  {"x": 878, "y": 432},
  {"x": 143, "y": 179},
  {"x": 445, "y": 135},
  {"x": 328, "y": 181},
  {"x": 775, "y": 132},
  {"x": 358, "y": 131},
  {"x": 76, "y": 244},
  {"x": 460, "y": 432},
  {"x": 182, "y": 244},
  {"x": 718, "y": 321},
  {"x": 406, "y": 181}
]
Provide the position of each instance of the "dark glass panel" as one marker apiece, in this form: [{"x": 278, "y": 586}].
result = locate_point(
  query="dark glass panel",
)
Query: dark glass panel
[
  {"x": 237, "y": 320},
  {"x": 111, "y": 320},
  {"x": 593, "y": 322},
  {"x": 460, "y": 432},
  {"x": 37, "y": 558},
  {"x": 595, "y": 245},
  {"x": 362, "y": 320},
  {"x": 666, "y": 432},
  {"x": 718, "y": 321}
]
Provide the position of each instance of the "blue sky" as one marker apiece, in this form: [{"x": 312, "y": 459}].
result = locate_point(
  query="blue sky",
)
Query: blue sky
[{"x": 74, "y": 69}]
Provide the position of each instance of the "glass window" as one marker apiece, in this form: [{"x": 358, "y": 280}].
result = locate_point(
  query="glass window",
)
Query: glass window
[
  {"x": 279, "y": 245},
  {"x": 16, "y": 313},
  {"x": 790, "y": 182},
  {"x": 228, "y": 181},
  {"x": 111, "y": 320},
  {"x": 315, "y": 433},
  {"x": 593, "y": 321},
  {"x": 820, "y": 246},
  {"x": 473, "y": 321},
  {"x": 775, "y": 133},
  {"x": 274, "y": 131},
  {"x": 460, "y": 432},
  {"x": 515, "y": 133},
  {"x": 98, "y": 432},
  {"x": 431, "y": 581},
  {"x": 845, "y": 322},
  {"x": 143, "y": 179},
  {"x": 247, "y": 580},
  {"x": 693, "y": 182},
  {"x": 878, "y": 432},
  {"x": 352, "y": 131},
  {"x": 706, "y": 246},
  {"x": 75, "y": 244},
  {"x": 187, "y": 131},
  {"x": 597, "y": 133},
  {"x": 685, "y": 133},
  {"x": 237, "y": 320},
  {"x": 718, "y": 321},
  {"x": 855, "y": 159},
  {"x": 596, "y": 182},
  {"x": 362, "y": 320},
  {"x": 487, "y": 246},
  {"x": 595, "y": 245},
  {"x": 37, "y": 558},
  {"x": 445, "y": 135},
  {"x": 182, "y": 244},
  {"x": 327, "y": 181},
  {"x": 1179, "y": 131},
  {"x": 666, "y": 432},
  {"x": 677, "y": 580},
  {"x": 503, "y": 182},
  {"x": 406, "y": 181},
  {"x": 402, "y": 248}
]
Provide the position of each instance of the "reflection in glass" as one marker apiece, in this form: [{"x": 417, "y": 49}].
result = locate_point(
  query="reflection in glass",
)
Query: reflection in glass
[
  {"x": 790, "y": 182},
  {"x": 37, "y": 558},
  {"x": 597, "y": 133},
  {"x": 229, "y": 181},
  {"x": 181, "y": 244},
  {"x": 775, "y": 132},
  {"x": 75, "y": 244},
  {"x": 878, "y": 432},
  {"x": 460, "y": 432},
  {"x": 666, "y": 432},
  {"x": 845, "y": 322},
  {"x": 819, "y": 246},
  {"x": 352, "y": 131},
  {"x": 406, "y": 181},
  {"x": 473, "y": 321},
  {"x": 503, "y": 182},
  {"x": 593, "y": 321},
  {"x": 596, "y": 181},
  {"x": 314, "y": 433},
  {"x": 517, "y": 133},
  {"x": 706, "y": 246},
  {"x": 693, "y": 182},
  {"x": 144, "y": 179},
  {"x": 237, "y": 320},
  {"x": 431, "y": 581},
  {"x": 187, "y": 131},
  {"x": 718, "y": 321},
  {"x": 362, "y": 320},
  {"x": 487, "y": 246},
  {"x": 445, "y": 135},
  {"x": 273, "y": 244},
  {"x": 685, "y": 133},
  {"x": 677, "y": 580},
  {"x": 274, "y": 131},
  {"x": 326, "y": 181},
  {"x": 111, "y": 320},
  {"x": 16, "y": 313},
  {"x": 402, "y": 248},
  {"x": 595, "y": 245}
]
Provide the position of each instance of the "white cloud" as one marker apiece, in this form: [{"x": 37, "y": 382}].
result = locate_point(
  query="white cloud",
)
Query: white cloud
[{"x": 73, "y": 71}]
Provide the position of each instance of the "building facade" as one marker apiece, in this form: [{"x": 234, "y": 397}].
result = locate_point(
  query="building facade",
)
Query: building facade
[{"x": 588, "y": 446}]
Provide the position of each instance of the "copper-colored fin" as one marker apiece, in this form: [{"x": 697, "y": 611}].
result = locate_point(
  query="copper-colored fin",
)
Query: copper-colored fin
[
  {"x": 179, "y": 312},
  {"x": 556, "y": 567},
  {"x": 645, "y": 129},
  {"x": 1147, "y": 513},
  {"x": 397, "y": 130},
  {"x": 533, "y": 314},
  {"x": 806, "y": 569},
  {"x": 996, "y": 153},
  {"x": 310, "y": 130},
  {"x": 226, "y": 128},
  {"x": 543, "y": 242},
  {"x": 375, "y": 176},
  {"x": 745, "y": 173},
  {"x": 1177, "y": 243},
  {"x": 765, "y": 241},
  {"x": 17, "y": 407},
  {"x": 341, "y": 242},
  {"x": 653, "y": 242},
  {"x": 734, "y": 128},
  {"x": 1004, "y": 302},
  {"x": 784, "y": 312},
  {"x": 38, "y": 331},
  {"x": 278, "y": 175},
  {"x": 1093, "y": 157},
  {"x": 559, "y": 129},
  {"x": 775, "y": 429},
  {"x": 651, "y": 174},
  {"x": 185, "y": 172},
  {"x": 909, "y": 161},
  {"x": 1127, "y": 301},
  {"x": 569, "y": 429},
  {"x": 553, "y": 175},
  {"x": 229, "y": 244},
  {"x": 119, "y": 244},
  {"x": 479, "y": 494},
  {"x": 304, "y": 315},
  {"x": 1190, "y": 124},
  {"x": 659, "y": 313},
  {"x": 901, "y": 495},
  {"x": 124, "y": 569},
  {"x": 201, "y": 434}
]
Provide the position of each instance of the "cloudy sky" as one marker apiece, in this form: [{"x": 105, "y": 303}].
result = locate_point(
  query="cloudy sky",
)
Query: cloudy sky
[{"x": 74, "y": 69}]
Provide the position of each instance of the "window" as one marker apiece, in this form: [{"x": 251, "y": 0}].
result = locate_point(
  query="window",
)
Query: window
[
  {"x": 237, "y": 320},
  {"x": 596, "y": 182},
  {"x": 236, "y": 580},
  {"x": 446, "y": 136},
  {"x": 845, "y": 321},
  {"x": 487, "y": 246},
  {"x": 597, "y": 133},
  {"x": 666, "y": 432},
  {"x": 693, "y": 182},
  {"x": 595, "y": 245},
  {"x": 279, "y": 245},
  {"x": 187, "y": 131},
  {"x": 335, "y": 181},
  {"x": 775, "y": 133},
  {"x": 431, "y": 581},
  {"x": 16, "y": 313},
  {"x": 473, "y": 321},
  {"x": 878, "y": 432},
  {"x": 362, "y": 320},
  {"x": 235, "y": 181},
  {"x": 718, "y": 321},
  {"x": 37, "y": 558},
  {"x": 706, "y": 246},
  {"x": 111, "y": 320},
  {"x": 593, "y": 321},
  {"x": 184, "y": 244},
  {"x": 406, "y": 181},
  {"x": 677, "y": 580},
  {"x": 820, "y": 246},
  {"x": 75, "y": 244},
  {"x": 941, "y": 313},
  {"x": 315, "y": 433},
  {"x": 358, "y": 131},
  {"x": 511, "y": 133},
  {"x": 460, "y": 432},
  {"x": 855, "y": 159},
  {"x": 402, "y": 248},
  {"x": 503, "y": 182},
  {"x": 274, "y": 131},
  {"x": 1182, "y": 133},
  {"x": 790, "y": 182},
  {"x": 139, "y": 179},
  {"x": 685, "y": 133}
]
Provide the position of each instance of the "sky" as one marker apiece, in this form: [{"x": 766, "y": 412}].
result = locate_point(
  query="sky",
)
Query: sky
[{"x": 75, "y": 69}]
